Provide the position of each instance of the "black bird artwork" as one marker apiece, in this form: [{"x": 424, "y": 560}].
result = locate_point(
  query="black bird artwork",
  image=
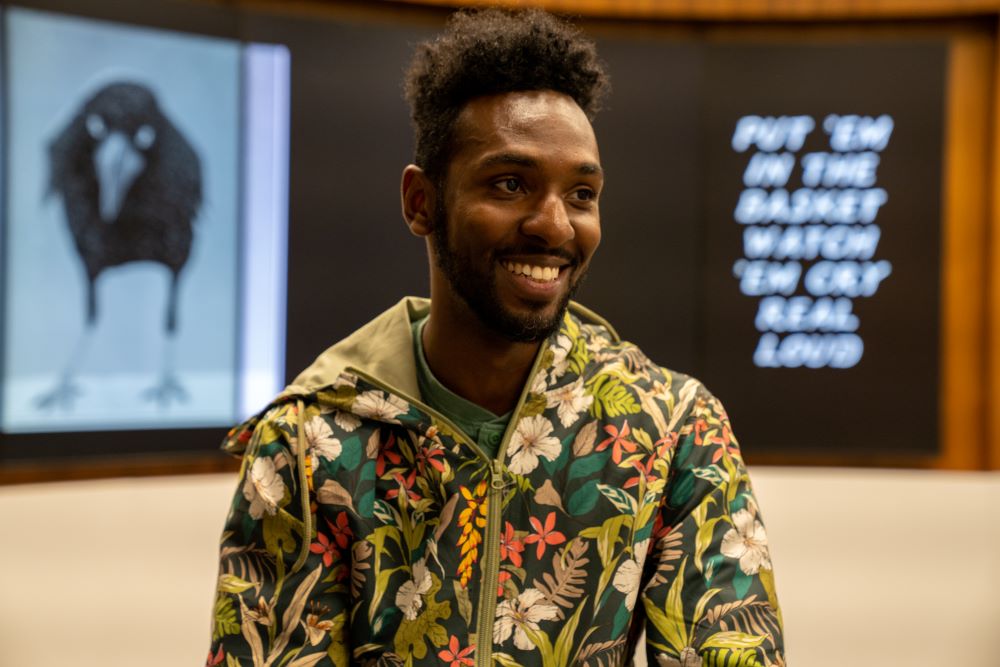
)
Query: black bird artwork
[{"x": 131, "y": 186}]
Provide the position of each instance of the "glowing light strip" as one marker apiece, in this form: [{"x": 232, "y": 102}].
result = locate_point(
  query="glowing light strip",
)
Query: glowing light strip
[{"x": 265, "y": 210}]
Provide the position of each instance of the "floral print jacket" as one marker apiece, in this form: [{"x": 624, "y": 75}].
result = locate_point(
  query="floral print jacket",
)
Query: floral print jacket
[{"x": 367, "y": 529}]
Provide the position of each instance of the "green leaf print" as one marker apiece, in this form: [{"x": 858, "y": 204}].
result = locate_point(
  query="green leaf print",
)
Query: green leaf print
[
  {"x": 588, "y": 464},
  {"x": 584, "y": 499},
  {"x": 611, "y": 398},
  {"x": 411, "y": 635},
  {"x": 225, "y": 618},
  {"x": 350, "y": 455},
  {"x": 741, "y": 583},
  {"x": 622, "y": 501},
  {"x": 683, "y": 489}
]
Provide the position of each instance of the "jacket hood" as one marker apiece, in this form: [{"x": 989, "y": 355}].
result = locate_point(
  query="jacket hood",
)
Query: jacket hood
[{"x": 383, "y": 349}]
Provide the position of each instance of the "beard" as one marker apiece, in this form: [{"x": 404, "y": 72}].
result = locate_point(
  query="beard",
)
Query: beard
[{"x": 478, "y": 288}]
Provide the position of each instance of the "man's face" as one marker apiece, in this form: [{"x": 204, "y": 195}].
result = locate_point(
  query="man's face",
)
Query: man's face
[{"x": 518, "y": 220}]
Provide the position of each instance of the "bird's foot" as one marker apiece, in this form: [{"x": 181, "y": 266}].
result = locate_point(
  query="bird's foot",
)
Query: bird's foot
[
  {"x": 60, "y": 397},
  {"x": 169, "y": 390}
]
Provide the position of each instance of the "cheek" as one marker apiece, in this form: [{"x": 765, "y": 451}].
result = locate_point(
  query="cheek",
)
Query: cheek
[{"x": 588, "y": 236}]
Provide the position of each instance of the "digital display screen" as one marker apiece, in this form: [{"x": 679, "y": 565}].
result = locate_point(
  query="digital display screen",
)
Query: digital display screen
[
  {"x": 146, "y": 218},
  {"x": 822, "y": 264}
]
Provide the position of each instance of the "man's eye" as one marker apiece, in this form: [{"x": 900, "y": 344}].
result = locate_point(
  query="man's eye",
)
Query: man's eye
[
  {"x": 509, "y": 185},
  {"x": 585, "y": 194}
]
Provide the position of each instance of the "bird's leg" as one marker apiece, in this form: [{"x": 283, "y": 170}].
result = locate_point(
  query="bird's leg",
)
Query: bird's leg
[
  {"x": 91, "y": 301},
  {"x": 169, "y": 389},
  {"x": 66, "y": 390},
  {"x": 172, "y": 303}
]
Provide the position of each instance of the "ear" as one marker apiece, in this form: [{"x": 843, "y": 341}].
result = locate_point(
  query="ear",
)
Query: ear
[{"x": 417, "y": 193}]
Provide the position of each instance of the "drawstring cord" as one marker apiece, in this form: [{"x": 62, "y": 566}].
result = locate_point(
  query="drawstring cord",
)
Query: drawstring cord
[{"x": 304, "y": 493}]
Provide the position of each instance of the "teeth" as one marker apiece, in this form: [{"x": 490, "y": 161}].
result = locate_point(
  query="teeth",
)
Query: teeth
[{"x": 540, "y": 273}]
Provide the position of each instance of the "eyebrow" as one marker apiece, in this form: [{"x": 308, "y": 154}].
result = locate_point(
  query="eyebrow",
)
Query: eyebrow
[{"x": 518, "y": 160}]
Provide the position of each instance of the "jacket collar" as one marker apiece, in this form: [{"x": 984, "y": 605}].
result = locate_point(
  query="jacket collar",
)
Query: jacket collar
[{"x": 383, "y": 348}]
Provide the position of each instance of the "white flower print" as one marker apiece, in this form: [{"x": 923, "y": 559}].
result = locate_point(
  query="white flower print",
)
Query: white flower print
[
  {"x": 320, "y": 436},
  {"x": 640, "y": 551},
  {"x": 346, "y": 420},
  {"x": 538, "y": 384},
  {"x": 748, "y": 542},
  {"x": 523, "y": 612},
  {"x": 378, "y": 405},
  {"x": 263, "y": 487},
  {"x": 410, "y": 597},
  {"x": 627, "y": 581},
  {"x": 531, "y": 440},
  {"x": 560, "y": 362},
  {"x": 571, "y": 400}
]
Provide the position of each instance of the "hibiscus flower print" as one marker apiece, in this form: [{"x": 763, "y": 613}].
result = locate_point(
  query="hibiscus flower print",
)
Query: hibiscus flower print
[
  {"x": 346, "y": 420},
  {"x": 380, "y": 406},
  {"x": 320, "y": 437},
  {"x": 747, "y": 541},
  {"x": 263, "y": 488},
  {"x": 560, "y": 360},
  {"x": 410, "y": 597},
  {"x": 517, "y": 615},
  {"x": 571, "y": 400},
  {"x": 531, "y": 440}
]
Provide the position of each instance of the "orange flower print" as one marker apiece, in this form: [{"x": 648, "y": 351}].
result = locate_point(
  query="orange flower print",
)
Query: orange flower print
[
  {"x": 330, "y": 548},
  {"x": 219, "y": 657},
  {"x": 510, "y": 549},
  {"x": 456, "y": 656},
  {"x": 386, "y": 454},
  {"x": 544, "y": 534},
  {"x": 618, "y": 441}
]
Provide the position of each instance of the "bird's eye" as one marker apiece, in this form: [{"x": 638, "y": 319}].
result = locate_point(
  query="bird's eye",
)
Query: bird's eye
[
  {"x": 96, "y": 127},
  {"x": 144, "y": 137}
]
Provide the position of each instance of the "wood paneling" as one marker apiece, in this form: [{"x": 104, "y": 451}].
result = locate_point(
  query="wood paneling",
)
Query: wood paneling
[
  {"x": 136, "y": 466},
  {"x": 725, "y": 10},
  {"x": 965, "y": 216},
  {"x": 993, "y": 304}
]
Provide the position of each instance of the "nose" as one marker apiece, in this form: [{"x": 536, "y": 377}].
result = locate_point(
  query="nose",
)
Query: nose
[{"x": 550, "y": 222}]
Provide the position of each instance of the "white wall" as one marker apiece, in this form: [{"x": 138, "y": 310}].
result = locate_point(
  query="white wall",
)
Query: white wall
[{"x": 873, "y": 568}]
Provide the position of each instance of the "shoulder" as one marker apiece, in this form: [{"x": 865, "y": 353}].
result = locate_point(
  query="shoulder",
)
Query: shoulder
[{"x": 589, "y": 346}]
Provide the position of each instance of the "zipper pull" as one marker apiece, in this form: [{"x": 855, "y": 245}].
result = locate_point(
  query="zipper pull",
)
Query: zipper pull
[{"x": 497, "y": 481}]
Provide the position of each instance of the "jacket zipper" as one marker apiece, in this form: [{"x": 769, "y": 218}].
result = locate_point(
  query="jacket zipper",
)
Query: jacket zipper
[{"x": 490, "y": 562}]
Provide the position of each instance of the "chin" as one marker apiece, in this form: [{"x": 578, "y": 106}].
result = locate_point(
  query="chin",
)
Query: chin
[{"x": 525, "y": 325}]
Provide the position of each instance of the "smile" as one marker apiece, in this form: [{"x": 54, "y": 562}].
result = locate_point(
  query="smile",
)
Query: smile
[{"x": 544, "y": 274}]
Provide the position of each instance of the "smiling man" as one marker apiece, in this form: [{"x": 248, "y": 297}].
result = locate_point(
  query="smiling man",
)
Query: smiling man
[{"x": 492, "y": 476}]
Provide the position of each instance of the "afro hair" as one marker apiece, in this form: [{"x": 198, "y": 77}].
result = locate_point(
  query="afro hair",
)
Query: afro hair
[{"x": 494, "y": 51}]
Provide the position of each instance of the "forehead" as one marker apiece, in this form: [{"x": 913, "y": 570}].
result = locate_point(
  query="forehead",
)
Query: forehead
[{"x": 543, "y": 123}]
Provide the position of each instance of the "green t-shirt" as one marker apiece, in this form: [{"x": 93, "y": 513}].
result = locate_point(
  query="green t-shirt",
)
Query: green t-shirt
[{"x": 479, "y": 423}]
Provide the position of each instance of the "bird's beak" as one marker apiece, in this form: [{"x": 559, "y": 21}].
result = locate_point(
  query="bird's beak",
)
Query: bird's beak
[{"x": 117, "y": 164}]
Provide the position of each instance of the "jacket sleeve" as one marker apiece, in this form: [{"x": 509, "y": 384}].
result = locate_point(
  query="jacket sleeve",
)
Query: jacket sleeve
[
  {"x": 710, "y": 596},
  {"x": 272, "y": 604}
]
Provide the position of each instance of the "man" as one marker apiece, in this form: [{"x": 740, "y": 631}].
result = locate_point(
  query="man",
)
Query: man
[{"x": 493, "y": 477}]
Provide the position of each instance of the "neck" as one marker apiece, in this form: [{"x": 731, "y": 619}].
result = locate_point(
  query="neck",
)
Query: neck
[{"x": 475, "y": 362}]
